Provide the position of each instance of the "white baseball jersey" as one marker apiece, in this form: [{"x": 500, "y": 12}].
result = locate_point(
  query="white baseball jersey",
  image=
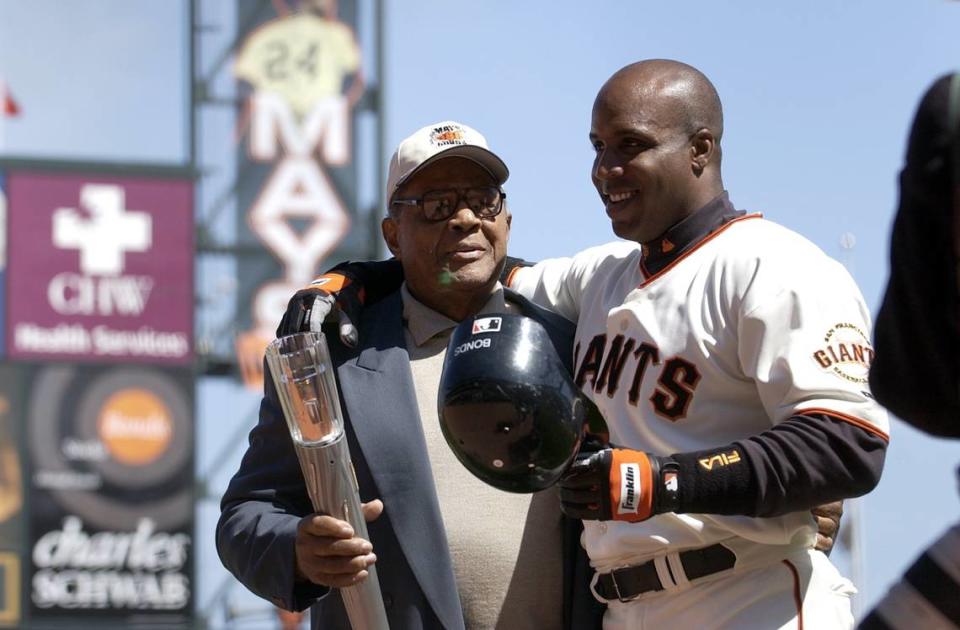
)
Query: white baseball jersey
[{"x": 751, "y": 326}]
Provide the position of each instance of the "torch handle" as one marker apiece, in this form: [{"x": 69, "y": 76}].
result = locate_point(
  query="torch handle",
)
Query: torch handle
[{"x": 332, "y": 485}]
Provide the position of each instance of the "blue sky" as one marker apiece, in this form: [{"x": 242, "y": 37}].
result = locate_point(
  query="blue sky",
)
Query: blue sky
[{"x": 818, "y": 97}]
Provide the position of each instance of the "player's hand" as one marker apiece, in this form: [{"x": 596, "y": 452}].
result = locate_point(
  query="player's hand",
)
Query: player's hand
[
  {"x": 328, "y": 552},
  {"x": 592, "y": 443},
  {"x": 331, "y": 294},
  {"x": 611, "y": 484},
  {"x": 828, "y": 524}
]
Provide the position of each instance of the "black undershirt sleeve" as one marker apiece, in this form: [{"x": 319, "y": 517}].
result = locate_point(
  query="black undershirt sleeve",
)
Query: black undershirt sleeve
[
  {"x": 380, "y": 278},
  {"x": 803, "y": 462}
]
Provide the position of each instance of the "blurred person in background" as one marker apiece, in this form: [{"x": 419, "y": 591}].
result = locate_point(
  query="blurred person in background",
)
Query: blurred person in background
[{"x": 916, "y": 371}]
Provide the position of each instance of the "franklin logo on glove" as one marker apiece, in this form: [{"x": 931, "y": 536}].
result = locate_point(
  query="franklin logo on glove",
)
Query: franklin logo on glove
[{"x": 629, "y": 493}]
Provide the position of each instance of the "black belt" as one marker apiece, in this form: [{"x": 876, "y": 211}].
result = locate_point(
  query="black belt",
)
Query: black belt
[{"x": 631, "y": 582}]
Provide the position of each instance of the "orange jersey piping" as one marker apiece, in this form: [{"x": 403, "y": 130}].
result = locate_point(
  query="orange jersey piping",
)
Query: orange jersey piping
[
  {"x": 797, "y": 599},
  {"x": 863, "y": 424},
  {"x": 510, "y": 275},
  {"x": 704, "y": 241}
]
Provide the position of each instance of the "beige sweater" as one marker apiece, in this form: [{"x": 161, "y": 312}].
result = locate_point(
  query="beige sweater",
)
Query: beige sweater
[{"x": 505, "y": 547}]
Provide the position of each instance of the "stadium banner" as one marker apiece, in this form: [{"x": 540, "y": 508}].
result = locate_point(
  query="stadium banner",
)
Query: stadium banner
[
  {"x": 101, "y": 269},
  {"x": 301, "y": 76},
  {"x": 111, "y": 495},
  {"x": 11, "y": 496}
]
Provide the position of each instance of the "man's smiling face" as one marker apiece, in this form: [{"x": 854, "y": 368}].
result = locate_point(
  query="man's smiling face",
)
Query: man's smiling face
[{"x": 643, "y": 167}]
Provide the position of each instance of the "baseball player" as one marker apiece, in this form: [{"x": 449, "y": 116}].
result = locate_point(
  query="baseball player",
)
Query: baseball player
[{"x": 729, "y": 357}]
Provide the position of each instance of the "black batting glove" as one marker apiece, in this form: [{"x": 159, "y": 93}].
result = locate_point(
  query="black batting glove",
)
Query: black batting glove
[
  {"x": 311, "y": 306},
  {"x": 618, "y": 484}
]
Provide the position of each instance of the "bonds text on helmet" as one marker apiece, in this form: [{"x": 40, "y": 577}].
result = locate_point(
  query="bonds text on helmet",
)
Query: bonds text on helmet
[{"x": 471, "y": 345}]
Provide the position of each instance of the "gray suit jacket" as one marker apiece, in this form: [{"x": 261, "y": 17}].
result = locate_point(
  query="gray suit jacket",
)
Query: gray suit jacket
[{"x": 267, "y": 496}]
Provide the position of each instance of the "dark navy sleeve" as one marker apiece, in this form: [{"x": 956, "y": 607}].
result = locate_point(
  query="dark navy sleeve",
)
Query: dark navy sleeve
[
  {"x": 260, "y": 511},
  {"x": 805, "y": 461},
  {"x": 379, "y": 278}
]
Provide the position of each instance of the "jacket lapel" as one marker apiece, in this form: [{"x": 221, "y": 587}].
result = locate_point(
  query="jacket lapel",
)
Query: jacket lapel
[{"x": 381, "y": 403}]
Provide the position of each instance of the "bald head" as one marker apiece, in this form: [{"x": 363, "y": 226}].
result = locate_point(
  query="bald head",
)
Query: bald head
[
  {"x": 656, "y": 128},
  {"x": 693, "y": 101}
]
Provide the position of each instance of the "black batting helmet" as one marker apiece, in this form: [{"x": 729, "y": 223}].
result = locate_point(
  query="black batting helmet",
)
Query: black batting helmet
[{"x": 507, "y": 405}]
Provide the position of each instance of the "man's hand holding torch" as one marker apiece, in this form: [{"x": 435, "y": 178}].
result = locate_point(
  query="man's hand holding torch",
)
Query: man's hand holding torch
[
  {"x": 330, "y": 553},
  {"x": 332, "y": 546}
]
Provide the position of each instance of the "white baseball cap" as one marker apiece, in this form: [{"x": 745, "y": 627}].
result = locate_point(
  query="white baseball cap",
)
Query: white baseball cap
[{"x": 441, "y": 140}]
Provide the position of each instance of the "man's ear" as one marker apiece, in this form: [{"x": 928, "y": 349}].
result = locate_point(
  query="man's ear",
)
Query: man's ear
[
  {"x": 389, "y": 229},
  {"x": 703, "y": 148}
]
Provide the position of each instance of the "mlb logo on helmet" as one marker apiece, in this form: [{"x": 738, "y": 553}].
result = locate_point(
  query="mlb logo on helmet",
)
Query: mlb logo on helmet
[{"x": 486, "y": 325}]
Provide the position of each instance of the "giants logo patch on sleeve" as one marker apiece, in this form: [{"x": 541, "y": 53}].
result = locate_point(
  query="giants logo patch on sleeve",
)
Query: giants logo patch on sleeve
[
  {"x": 845, "y": 351},
  {"x": 629, "y": 489}
]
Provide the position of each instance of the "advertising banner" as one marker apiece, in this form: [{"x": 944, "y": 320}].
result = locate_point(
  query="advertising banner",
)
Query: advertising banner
[
  {"x": 11, "y": 496},
  {"x": 101, "y": 268},
  {"x": 111, "y": 504}
]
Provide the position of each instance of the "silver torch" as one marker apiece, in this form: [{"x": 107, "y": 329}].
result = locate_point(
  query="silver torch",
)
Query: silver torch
[{"x": 305, "y": 383}]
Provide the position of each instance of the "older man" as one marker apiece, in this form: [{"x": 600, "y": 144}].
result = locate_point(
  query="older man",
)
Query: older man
[{"x": 450, "y": 551}]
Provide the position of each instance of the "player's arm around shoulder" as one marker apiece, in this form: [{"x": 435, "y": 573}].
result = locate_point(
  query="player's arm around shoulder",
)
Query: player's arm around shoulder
[{"x": 562, "y": 284}]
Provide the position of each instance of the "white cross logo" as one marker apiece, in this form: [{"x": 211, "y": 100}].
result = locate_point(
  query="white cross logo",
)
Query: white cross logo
[{"x": 107, "y": 235}]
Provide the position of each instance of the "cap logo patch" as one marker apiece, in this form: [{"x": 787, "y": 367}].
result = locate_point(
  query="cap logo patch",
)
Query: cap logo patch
[
  {"x": 845, "y": 351},
  {"x": 447, "y": 135},
  {"x": 486, "y": 325}
]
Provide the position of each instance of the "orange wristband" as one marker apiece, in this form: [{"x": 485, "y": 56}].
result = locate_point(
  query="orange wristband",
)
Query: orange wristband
[
  {"x": 631, "y": 485},
  {"x": 329, "y": 282}
]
